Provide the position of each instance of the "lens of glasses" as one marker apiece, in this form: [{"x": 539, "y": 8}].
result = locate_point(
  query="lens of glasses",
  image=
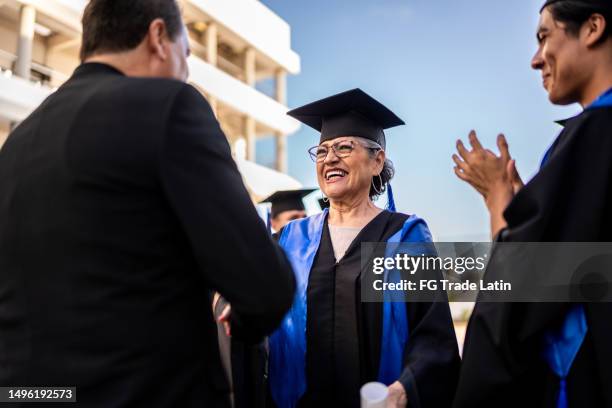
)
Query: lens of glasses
[
  {"x": 344, "y": 148},
  {"x": 341, "y": 149},
  {"x": 317, "y": 153}
]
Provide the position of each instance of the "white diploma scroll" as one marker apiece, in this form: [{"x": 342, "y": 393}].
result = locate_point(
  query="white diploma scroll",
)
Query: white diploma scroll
[{"x": 374, "y": 395}]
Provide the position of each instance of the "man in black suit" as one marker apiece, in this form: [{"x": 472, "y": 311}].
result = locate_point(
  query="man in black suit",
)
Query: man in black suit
[{"x": 120, "y": 210}]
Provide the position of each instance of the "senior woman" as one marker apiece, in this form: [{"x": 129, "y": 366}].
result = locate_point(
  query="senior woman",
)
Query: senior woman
[{"x": 331, "y": 343}]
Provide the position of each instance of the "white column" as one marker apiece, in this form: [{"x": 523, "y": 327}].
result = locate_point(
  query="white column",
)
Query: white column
[
  {"x": 211, "y": 41},
  {"x": 214, "y": 104},
  {"x": 281, "y": 139},
  {"x": 281, "y": 152},
  {"x": 250, "y": 66},
  {"x": 4, "y": 132},
  {"x": 250, "y": 137},
  {"x": 27, "y": 19},
  {"x": 281, "y": 86},
  {"x": 212, "y": 101}
]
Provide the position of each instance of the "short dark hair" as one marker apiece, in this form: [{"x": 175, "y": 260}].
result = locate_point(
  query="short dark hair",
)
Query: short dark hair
[
  {"x": 573, "y": 14},
  {"x": 120, "y": 25}
]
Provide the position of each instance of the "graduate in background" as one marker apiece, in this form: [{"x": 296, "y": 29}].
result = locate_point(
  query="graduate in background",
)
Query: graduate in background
[
  {"x": 331, "y": 343},
  {"x": 550, "y": 354},
  {"x": 287, "y": 205}
]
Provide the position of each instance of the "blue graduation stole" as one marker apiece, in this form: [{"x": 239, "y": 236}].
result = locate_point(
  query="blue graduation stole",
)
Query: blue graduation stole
[
  {"x": 287, "y": 363},
  {"x": 562, "y": 345},
  {"x": 561, "y": 348},
  {"x": 603, "y": 101}
]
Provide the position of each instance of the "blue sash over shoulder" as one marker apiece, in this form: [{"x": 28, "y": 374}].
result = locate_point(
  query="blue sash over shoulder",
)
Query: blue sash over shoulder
[{"x": 300, "y": 240}]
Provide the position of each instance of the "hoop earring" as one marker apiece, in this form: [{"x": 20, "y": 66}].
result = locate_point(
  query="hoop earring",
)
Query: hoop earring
[
  {"x": 325, "y": 199},
  {"x": 377, "y": 190}
]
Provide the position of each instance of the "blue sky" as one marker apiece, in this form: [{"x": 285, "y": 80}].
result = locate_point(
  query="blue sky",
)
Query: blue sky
[{"x": 445, "y": 67}]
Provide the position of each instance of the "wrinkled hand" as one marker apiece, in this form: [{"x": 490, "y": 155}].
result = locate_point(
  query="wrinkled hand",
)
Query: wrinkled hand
[
  {"x": 225, "y": 320},
  {"x": 225, "y": 316},
  {"x": 495, "y": 177},
  {"x": 397, "y": 396}
]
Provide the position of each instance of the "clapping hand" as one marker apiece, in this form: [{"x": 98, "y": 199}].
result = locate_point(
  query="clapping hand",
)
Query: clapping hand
[{"x": 494, "y": 177}]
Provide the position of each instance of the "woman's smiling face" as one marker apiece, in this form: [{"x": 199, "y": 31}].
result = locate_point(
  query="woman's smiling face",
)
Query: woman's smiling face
[{"x": 351, "y": 175}]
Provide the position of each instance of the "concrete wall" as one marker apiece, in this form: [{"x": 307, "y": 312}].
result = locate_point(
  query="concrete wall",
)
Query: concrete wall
[{"x": 8, "y": 36}]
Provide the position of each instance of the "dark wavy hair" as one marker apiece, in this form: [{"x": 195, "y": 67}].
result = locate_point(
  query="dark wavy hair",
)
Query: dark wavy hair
[
  {"x": 573, "y": 14},
  {"x": 120, "y": 25}
]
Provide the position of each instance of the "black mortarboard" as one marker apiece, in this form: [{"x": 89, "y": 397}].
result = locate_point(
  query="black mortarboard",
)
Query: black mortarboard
[
  {"x": 604, "y": 4},
  {"x": 350, "y": 113},
  {"x": 287, "y": 200}
]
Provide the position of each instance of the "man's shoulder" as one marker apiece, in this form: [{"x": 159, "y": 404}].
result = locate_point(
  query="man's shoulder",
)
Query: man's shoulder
[
  {"x": 145, "y": 90},
  {"x": 599, "y": 115},
  {"x": 134, "y": 99},
  {"x": 602, "y": 113}
]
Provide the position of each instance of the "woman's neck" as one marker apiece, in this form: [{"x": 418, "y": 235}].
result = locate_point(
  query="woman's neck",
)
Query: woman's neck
[{"x": 355, "y": 213}]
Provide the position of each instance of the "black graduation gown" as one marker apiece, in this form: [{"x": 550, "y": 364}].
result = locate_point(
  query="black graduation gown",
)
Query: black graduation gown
[
  {"x": 249, "y": 372},
  {"x": 343, "y": 334},
  {"x": 568, "y": 200}
]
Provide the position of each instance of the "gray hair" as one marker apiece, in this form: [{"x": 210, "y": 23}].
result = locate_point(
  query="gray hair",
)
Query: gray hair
[{"x": 379, "y": 183}]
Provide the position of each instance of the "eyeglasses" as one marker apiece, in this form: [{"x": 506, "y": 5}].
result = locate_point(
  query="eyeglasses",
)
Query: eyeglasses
[{"x": 342, "y": 149}]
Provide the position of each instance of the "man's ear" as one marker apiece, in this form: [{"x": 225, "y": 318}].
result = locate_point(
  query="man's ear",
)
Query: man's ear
[
  {"x": 157, "y": 37},
  {"x": 593, "y": 29}
]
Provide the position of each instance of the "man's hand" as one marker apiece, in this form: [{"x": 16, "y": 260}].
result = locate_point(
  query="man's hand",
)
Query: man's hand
[
  {"x": 494, "y": 177},
  {"x": 225, "y": 315},
  {"x": 397, "y": 396},
  {"x": 225, "y": 319}
]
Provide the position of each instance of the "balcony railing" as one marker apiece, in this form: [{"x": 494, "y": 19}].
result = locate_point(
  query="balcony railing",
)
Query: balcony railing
[
  {"x": 241, "y": 97},
  {"x": 19, "y": 97},
  {"x": 39, "y": 74}
]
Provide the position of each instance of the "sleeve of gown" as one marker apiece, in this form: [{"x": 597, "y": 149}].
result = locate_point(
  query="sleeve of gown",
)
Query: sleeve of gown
[
  {"x": 431, "y": 359},
  {"x": 235, "y": 254},
  {"x": 568, "y": 200}
]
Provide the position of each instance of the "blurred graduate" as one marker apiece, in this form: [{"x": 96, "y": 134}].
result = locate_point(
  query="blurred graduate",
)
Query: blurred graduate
[
  {"x": 287, "y": 205},
  {"x": 331, "y": 343},
  {"x": 550, "y": 354}
]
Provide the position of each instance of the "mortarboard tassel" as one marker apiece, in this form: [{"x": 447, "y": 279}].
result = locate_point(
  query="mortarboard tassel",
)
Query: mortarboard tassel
[
  {"x": 390, "y": 199},
  {"x": 269, "y": 221}
]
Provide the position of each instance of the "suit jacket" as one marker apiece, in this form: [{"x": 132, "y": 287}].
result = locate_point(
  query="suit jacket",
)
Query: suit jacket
[{"x": 120, "y": 210}]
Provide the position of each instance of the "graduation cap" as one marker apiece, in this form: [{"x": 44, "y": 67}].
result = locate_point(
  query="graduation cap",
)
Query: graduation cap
[
  {"x": 604, "y": 4},
  {"x": 287, "y": 200},
  {"x": 350, "y": 113}
]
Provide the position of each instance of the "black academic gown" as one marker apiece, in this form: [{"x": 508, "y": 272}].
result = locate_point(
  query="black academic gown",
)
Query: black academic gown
[
  {"x": 249, "y": 374},
  {"x": 344, "y": 334},
  {"x": 568, "y": 200}
]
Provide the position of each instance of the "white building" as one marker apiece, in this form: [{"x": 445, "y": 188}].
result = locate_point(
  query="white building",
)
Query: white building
[{"x": 241, "y": 56}]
